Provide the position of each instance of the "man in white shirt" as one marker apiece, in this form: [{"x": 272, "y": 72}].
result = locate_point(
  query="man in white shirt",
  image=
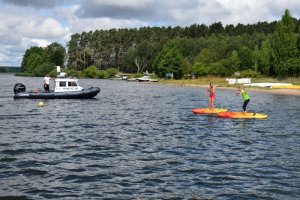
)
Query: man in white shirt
[{"x": 46, "y": 83}]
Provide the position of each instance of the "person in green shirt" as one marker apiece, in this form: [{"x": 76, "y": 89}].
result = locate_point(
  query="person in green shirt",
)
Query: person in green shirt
[{"x": 245, "y": 96}]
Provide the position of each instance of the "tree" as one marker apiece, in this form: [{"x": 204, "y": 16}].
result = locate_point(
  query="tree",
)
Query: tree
[
  {"x": 245, "y": 55},
  {"x": 206, "y": 56},
  {"x": 186, "y": 66},
  {"x": 129, "y": 60},
  {"x": 256, "y": 56},
  {"x": 43, "y": 69},
  {"x": 229, "y": 29},
  {"x": 55, "y": 53},
  {"x": 144, "y": 57},
  {"x": 199, "y": 69},
  {"x": 33, "y": 58},
  {"x": 285, "y": 55},
  {"x": 264, "y": 58},
  {"x": 73, "y": 46},
  {"x": 218, "y": 69},
  {"x": 216, "y": 28},
  {"x": 169, "y": 60},
  {"x": 235, "y": 61},
  {"x": 39, "y": 61}
]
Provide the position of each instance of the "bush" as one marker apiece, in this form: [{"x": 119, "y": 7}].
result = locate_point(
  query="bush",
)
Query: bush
[
  {"x": 137, "y": 75},
  {"x": 91, "y": 72},
  {"x": 71, "y": 72},
  {"x": 217, "y": 69},
  {"x": 102, "y": 74},
  {"x": 23, "y": 74},
  {"x": 112, "y": 72},
  {"x": 250, "y": 74}
]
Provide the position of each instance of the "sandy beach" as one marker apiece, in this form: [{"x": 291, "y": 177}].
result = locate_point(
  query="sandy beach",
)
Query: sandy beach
[{"x": 293, "y": 92}]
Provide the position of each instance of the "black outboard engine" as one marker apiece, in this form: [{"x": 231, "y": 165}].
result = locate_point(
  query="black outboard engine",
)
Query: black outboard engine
[{"x": 19, "y": 87}]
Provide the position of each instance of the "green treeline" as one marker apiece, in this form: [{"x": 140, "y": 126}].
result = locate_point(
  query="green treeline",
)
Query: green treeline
[
  {"x": 262, "y": 49},
  {"x": 4, "y": 69}
]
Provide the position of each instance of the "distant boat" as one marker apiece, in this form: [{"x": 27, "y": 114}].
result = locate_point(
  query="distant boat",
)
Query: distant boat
[
  {"x": 146, "y": 79},
  {"x": 131, "y": 79},
  {"x": 65, "y": 88}
]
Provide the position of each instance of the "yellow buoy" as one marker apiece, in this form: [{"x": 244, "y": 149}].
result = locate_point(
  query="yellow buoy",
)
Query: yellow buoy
[{"x": 41, "y": 104}]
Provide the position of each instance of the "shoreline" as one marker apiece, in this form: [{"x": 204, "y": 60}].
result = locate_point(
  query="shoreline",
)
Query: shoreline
[{"x": 289, "y": 92}]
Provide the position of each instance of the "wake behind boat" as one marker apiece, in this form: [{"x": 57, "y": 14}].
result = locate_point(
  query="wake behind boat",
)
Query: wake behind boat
[{"x": 65, "y": 88}]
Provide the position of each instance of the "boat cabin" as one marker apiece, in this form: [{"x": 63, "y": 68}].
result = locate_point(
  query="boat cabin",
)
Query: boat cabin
[{"x": 66, "y": 85}]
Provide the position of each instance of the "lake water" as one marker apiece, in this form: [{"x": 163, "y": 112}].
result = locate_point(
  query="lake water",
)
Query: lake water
[{"x": 141, "y": 141}]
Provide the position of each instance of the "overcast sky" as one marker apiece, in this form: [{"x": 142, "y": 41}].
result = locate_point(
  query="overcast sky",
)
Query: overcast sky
[{"x": 26, "y": 23}]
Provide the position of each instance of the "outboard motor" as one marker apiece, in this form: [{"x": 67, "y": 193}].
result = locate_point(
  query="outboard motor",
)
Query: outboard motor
[{"x": 19, "y": 87}]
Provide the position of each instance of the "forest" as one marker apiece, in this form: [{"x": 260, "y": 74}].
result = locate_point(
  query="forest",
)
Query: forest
[
  {"x": 254, "y": 50},
  {"x": 7, "y": 69}
]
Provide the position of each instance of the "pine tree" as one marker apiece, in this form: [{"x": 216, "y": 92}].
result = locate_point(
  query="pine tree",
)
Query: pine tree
[{"x": 284, "y": 43}]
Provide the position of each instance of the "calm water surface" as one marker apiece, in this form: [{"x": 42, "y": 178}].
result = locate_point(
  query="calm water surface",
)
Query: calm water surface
[{"x": 141, "y": 141}]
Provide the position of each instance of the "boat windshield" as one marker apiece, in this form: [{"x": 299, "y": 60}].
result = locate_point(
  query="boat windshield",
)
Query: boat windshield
[
  {"x": 72, "y": 84},
  {"x": 62, "y": 84}
]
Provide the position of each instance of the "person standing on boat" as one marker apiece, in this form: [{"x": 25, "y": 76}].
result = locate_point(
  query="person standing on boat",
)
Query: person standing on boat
[
  {"x": 46, "y": 83},
  {"x": 211, "y": 92},
  {"x": 245, "y": 96}
]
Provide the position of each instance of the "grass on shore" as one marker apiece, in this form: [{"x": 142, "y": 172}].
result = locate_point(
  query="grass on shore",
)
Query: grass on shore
[
  {"x": 200, "y": 81},
  {"x": 221, "y": 82}
]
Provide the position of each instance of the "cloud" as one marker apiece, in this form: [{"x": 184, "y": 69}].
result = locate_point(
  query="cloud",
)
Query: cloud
[
  {"x": 250, "y": 12},
  {"x": 116, "y": 9},
  {"x": 276, "y": 8},
  {"x": 143, "y": 10},
  {"x": 2, "y": 57},
  {"x": 33, "y": 3},
  {"x": 40, "y": 43},
  {"x": 89, "y": 24},
  {"x": 11, "y": 55},
  {"x": 46, "y": 28},
  {"x": 22, "y": 28},
  {"x": 187, "y": 12},
  {"x": 16, "y": 24}
]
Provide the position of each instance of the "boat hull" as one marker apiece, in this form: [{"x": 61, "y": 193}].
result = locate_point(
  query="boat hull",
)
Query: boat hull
[{"x": 83, "y": 94}]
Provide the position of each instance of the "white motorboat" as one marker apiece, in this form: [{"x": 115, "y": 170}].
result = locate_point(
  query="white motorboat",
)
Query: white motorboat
[
  {"x": 146, "y": 79},
  {"x": 64, "y": 88}
]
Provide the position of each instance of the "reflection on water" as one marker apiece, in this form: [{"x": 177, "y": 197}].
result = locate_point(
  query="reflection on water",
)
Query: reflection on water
[{"x": 141, "y": 141}]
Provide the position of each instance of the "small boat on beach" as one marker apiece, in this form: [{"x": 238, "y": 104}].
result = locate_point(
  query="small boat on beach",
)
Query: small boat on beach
[
  {"x": 270, "y": 85},
  {"x": 146, "y": 79},
  {"x": 65, "y": 88}
]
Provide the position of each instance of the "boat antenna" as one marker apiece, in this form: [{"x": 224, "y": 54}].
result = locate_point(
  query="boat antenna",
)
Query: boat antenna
[{"x": 57, "y": 70}]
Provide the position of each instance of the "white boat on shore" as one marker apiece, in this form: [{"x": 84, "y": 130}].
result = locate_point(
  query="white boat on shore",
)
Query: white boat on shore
[
  {"x": 146, "y": 79},
  {"x": 270, "y": 85},
  {"x": 131, "y": 79}
]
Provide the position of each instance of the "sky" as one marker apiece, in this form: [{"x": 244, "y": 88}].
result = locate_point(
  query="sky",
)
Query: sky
[{"x": 27, "y": 23}]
